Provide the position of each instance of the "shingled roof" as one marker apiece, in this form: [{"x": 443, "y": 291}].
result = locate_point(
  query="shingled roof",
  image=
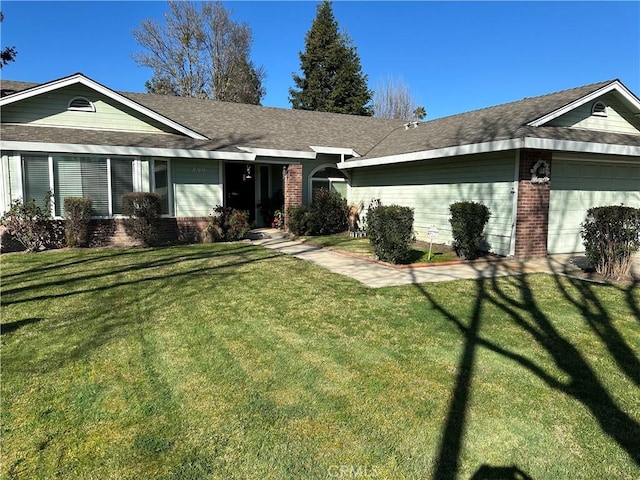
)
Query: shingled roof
[
  {"x": 230, "y": 126},
  {"x": 502, "y": 122}
]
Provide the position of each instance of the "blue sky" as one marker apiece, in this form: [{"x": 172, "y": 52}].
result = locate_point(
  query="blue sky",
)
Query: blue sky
[{"x": 455, "y": 56}]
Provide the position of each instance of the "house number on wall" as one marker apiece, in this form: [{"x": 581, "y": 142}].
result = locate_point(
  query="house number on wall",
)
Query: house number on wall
[{"x": 198, "y": 170}]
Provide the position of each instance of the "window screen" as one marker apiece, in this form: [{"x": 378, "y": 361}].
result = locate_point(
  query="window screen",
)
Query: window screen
[
  {"x": 121, "y": 181},
  {"x": 81, "y": 177},
  {"x": 36, "y": 176}
]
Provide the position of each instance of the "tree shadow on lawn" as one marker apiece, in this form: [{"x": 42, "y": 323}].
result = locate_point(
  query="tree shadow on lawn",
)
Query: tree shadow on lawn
[
  {"x": 13, "y": 326},
  {"x": 583, "y": 384},
  {"x": 81, "y": 277},
  {"x": 107, "y": 323}
]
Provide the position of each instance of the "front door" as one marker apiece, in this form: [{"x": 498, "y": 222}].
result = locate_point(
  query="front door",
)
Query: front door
[{"x": 240, "y": 187}]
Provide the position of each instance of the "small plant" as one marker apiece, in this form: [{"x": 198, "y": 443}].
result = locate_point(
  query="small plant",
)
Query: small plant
[
  {"x": 298, "y": 220},
  {"x": 278, "y": 220},
  {"x": 77, "y": 219},
  {"x": 28, "y": 223},
  {"x": 142, "y": 209},
  {"x": 328, "y": 214},
  {"x": 468, "y": 220},
  {"x": 228, "y": 224},
  {"x": 390, "y": 231},
  {"x": 611, "y": 236}
]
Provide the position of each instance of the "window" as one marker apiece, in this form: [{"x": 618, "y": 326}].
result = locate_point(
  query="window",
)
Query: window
[
  {"x": 81, "y": 104},
  {"x": 36, "y": 178},
  {"x": 121, "y": 182},
  {"x": 104, "y": 180},
  {"x": 161, "y": 184},
  {"x": 81, "y": 177},
  {"x": 599, "y": 109},
  {"x": 328, "y": 178}
]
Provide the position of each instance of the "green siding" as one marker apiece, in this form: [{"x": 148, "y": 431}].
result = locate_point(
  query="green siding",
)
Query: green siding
[
  {"x": 197, "y": 187},
  {"x": 430, "y": 187},
  {"x": 619, "y": 119},
  {"x": 576, "y": 186},
  {"x": 51, "y": 110},
  {"x": 11, "y": 177}
]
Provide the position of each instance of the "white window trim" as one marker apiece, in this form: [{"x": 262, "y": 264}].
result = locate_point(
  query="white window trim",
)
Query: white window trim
[{"x": 109, "y": 182}]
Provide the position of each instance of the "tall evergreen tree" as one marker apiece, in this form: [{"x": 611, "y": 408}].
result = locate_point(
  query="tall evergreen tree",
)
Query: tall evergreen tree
[{"x": 332, "y": 78}]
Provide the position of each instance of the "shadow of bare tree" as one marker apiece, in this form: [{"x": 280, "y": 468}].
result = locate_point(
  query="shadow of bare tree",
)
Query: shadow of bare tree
[{"x": 524, "y": 311}]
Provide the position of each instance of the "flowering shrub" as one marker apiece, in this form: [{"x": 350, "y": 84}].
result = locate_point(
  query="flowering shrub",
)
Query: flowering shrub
[
  {"x": 28, "y": 223},
  {"x": 228, "y": 224}
]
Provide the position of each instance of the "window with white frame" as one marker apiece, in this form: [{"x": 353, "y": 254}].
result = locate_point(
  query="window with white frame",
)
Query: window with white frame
[
  {"x": 104, "y": 180},
  {"x": 329, "y": 178}
]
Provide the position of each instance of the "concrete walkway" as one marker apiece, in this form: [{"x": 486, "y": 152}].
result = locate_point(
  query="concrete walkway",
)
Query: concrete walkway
[{"x": 376, "y": 274}]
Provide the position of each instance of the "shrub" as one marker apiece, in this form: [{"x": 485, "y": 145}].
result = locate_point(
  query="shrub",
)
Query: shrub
[
  {"x": 142, "y": 209},
  {"x": 328, "y": 214},
  {"x": 228, "y": 224},
  {"x": 298, "y": 219},
  {"x": 28, "y": 223},
  {"x": 611, "y": 236},
  {"x": 468, "y": 220},
  {"x": 390, "y": 231},
  {"x": 77, "y": 218}
]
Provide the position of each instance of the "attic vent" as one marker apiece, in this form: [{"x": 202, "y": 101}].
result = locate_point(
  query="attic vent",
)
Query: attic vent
[
  {"x": 81, "y": 104},
  {"x": 599, "y": 109}
]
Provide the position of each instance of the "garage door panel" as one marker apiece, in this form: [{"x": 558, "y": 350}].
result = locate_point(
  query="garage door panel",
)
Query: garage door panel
[{"x": 578, "y": 186}]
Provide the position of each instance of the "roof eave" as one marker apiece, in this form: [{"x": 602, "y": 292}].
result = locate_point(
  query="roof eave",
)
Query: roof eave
[
  {"x": 497, "y": 146},
  {"x": 78, "y": 148}
]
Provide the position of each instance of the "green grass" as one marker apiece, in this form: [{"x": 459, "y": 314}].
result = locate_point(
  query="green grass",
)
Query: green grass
[
  {"x": 229, "y": 361},
  {"x": 362, "y": 247}
]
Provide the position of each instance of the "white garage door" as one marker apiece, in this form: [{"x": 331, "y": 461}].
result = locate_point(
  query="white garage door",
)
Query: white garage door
[{"x": 577, "y": 186}]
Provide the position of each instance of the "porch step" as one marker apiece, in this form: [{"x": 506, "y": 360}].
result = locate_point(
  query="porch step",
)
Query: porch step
[{"x": 266, "y": 233}]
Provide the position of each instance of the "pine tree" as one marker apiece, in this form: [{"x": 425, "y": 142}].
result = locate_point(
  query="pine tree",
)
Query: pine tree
[{"x": 332, "y": 78}]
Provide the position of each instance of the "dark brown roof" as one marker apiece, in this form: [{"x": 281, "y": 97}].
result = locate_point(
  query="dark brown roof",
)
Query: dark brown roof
[
  {"x": 501, "y": 122},
  {"x": 232, "y": 125}
]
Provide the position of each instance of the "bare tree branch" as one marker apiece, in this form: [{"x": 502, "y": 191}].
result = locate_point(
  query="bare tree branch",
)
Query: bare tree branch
[{"x": 200, "y": 53}]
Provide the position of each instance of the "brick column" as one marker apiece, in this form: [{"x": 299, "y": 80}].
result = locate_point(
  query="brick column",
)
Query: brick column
[
  {"x": 532, "y": 224},
  {"x": 292, "y": 189}
]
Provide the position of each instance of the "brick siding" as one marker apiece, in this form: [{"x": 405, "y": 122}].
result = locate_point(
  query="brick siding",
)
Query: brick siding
[
  {"x": 532, "y": 224},
  {"x": 292, "y": 189}
]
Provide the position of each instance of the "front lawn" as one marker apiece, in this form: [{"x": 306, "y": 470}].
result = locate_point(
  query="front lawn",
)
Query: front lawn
[
  {"x": 362, "y": 247},
  {"x": 230, "y": 361}
]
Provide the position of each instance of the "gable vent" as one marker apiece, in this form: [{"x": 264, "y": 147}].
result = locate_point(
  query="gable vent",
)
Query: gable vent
[
  {"x": 81, "y": 104},
  {"x": 599, "y": 109}
]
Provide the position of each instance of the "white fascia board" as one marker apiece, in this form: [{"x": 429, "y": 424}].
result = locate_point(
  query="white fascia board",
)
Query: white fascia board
[
  {"x": 469, "y": 149},
  {"x": 582, "y": 147},
  {"x": 615, "y": 85},
  {"x": 271, "y": 152},
  {"x": 335, "y": 150},
  {"x": 87, "y": 82},
  {"x": 124, "y": 150}
]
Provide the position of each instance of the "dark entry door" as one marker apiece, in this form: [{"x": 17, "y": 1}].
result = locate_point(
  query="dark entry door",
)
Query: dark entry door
[{"x": 240, "y": 187}]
